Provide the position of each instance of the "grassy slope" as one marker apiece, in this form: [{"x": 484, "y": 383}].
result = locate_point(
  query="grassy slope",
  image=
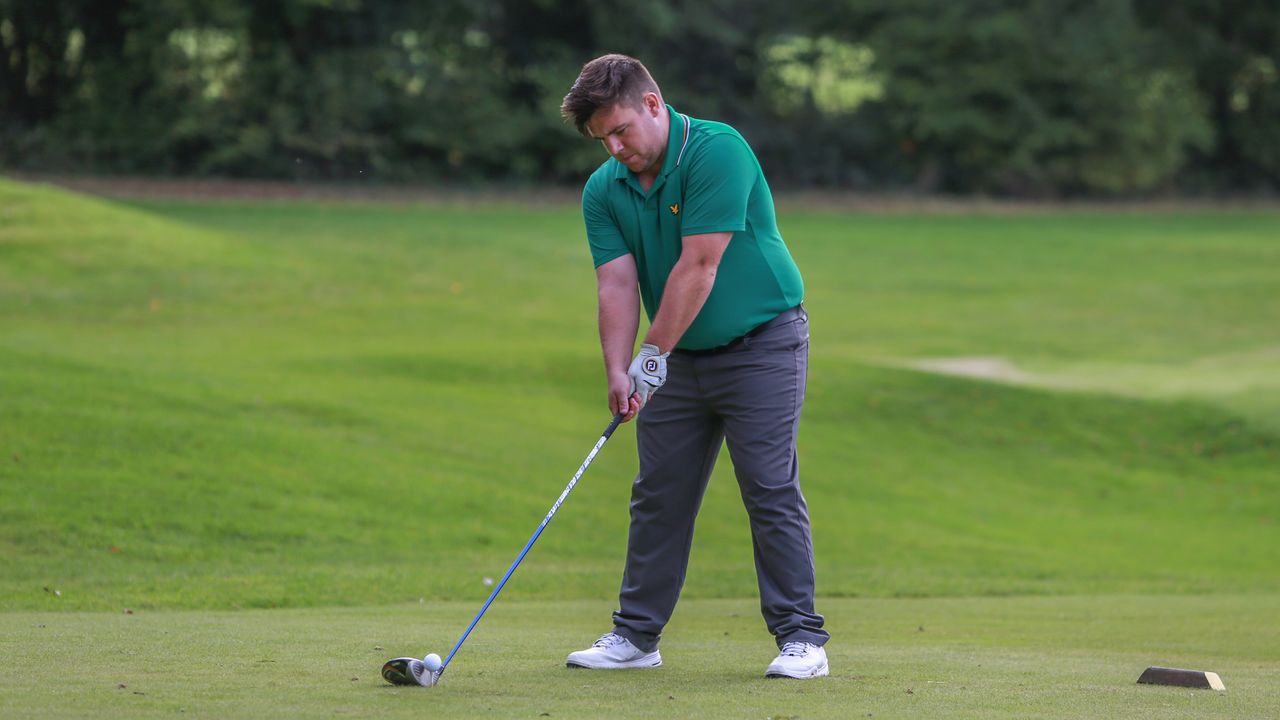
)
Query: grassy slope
[
  {"x": 1166, "y": 305},
  {"x": 213, "y": 405}
]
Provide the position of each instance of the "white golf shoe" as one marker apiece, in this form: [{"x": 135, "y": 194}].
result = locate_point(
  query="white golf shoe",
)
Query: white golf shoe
[
  {"x": 613, "y": 652},
  {"x": 798, "y": 660}
]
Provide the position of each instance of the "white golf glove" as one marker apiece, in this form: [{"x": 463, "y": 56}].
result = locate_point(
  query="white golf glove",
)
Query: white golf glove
[{"x": 648, "y": 372}]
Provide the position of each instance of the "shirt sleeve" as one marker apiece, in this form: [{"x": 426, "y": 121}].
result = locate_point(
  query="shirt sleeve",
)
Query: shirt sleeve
[
  {"x": 603, "y": 234},
  {"x": 718, "y": 185}
]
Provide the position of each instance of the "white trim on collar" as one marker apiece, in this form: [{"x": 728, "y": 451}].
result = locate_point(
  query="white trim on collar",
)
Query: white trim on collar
[{"x": 685, "y": 144}]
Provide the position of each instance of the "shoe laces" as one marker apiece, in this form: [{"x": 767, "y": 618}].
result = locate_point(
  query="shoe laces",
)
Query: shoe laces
[
  {"x": 608, "y": 640},
  {"x": 796, "y": 649}
]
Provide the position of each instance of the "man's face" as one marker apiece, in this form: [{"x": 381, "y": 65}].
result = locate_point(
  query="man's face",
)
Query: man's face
[{"x": 632, "y": 134}]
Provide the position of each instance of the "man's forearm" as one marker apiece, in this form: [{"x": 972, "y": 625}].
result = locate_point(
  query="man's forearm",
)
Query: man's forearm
[
  {"x": 686, "y": 292},
  {"x": 619, "y": 320}
]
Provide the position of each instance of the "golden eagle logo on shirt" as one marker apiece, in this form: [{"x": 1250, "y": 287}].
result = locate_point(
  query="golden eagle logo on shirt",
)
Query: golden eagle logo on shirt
[{"x": 675, "y": 209}]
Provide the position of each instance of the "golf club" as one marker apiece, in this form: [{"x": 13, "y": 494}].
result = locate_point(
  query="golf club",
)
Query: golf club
[{"x": 413, "y": 671}]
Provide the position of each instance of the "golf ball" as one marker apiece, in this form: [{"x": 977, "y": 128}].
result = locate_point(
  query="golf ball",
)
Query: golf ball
[{"x": 431, "y": 662}]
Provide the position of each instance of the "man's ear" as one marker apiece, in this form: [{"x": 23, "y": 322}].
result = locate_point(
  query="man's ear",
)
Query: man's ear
[{"x": 652, "y": 103}]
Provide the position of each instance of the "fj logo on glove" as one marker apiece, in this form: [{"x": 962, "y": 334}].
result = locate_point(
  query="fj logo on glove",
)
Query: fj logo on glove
[
  {"x": 647, "y": 372},
  {"x": 675, "y": 209}
]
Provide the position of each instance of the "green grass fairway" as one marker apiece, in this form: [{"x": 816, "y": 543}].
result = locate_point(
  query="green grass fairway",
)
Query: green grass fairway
[
  {"x": 1047, "y": 657},
  {"x": 271, "y": 429}
]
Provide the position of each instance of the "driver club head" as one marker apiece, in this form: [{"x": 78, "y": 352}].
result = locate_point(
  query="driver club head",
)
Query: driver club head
[{"x": 409, "y": 671}]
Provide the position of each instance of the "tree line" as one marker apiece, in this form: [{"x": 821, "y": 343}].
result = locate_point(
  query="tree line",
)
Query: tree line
[{"x": 1045, "y": 98}]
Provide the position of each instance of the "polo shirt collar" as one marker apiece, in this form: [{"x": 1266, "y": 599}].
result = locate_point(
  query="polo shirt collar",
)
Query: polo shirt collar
[{"x": 677, "y": 141}]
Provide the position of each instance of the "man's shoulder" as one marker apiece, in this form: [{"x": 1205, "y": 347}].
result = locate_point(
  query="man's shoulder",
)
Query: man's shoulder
[
  {"x": 713, "y": 131},
  {"x": 713, "y": 141},
  {"x": 600, "y": 180},
  {"x": 710, "y": 128}
]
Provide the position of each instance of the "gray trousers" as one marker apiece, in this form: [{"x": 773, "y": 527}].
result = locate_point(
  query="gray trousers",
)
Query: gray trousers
[{"x": 749, "y": 395}]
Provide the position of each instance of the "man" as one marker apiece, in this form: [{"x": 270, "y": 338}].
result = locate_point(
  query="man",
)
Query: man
[{"x": 680, "y": 217}]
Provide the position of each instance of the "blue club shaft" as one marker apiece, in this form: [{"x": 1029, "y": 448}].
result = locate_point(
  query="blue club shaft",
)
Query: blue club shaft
[{"x": 617, "y": 419}]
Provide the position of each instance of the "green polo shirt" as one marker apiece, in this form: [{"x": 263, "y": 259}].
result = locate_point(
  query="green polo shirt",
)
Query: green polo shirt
[{"x": 710, "y": 182}]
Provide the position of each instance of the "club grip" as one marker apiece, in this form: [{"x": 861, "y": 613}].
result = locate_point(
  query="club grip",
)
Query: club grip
[{"x": 613, "y": 425}]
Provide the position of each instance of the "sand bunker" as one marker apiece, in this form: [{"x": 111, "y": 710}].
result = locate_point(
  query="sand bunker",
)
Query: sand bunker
[{"x": 985, "y": 368}]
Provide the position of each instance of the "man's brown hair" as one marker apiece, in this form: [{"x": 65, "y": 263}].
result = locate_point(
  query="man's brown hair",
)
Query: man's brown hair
[{"x": 604, "y": 82}]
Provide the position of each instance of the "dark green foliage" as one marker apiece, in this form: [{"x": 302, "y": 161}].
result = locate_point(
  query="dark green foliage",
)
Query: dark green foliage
[
  {"x": 1232, "y": 50},
  {"x": 1028, "y": 96},
  {"x": 1023, "y": 97}
]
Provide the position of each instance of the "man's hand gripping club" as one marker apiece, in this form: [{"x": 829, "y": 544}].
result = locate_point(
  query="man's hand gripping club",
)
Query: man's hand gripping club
[
  {"x": 648, "y": 372},
  {"x": 630, "y": 391}
]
